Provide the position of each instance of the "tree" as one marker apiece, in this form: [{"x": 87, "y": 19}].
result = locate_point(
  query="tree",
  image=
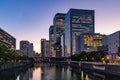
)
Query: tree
[{"x": 118, "y": 51}]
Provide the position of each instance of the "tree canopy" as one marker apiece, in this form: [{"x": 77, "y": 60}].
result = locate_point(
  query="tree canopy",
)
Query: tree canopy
[
  {"x": 8, "y": 54},
  {"x": 89, "y": 56}
]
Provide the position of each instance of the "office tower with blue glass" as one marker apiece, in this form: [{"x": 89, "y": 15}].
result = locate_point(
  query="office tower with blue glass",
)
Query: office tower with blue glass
[
  {"x": 51, "y": 39},
  {"x": 77, "y": 22}
]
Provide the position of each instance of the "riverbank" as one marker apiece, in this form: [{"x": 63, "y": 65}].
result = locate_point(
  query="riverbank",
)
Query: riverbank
[
  {"x": 107, "y": 68},
  {"x": 11, "y": 65}
]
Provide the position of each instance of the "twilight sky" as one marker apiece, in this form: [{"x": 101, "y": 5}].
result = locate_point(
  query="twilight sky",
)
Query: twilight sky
[{"x": 30, "y": 19}]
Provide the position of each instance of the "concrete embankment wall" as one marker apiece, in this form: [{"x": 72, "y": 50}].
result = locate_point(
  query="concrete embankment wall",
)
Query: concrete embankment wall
[
  {"x": 108, "y": 68},
  {"x": 10, "y": 65}
]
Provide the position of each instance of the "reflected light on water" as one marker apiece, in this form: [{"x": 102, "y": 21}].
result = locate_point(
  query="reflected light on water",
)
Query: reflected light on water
[
  {"x": 37, "y": 74},
  {"x": 82, "y": 77},
  {"x": 86, "y": 78},
  {"x": 52, "y": 72}
]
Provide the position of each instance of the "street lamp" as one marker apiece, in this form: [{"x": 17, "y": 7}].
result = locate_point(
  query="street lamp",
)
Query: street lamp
[{"x": 107, "y": 59}]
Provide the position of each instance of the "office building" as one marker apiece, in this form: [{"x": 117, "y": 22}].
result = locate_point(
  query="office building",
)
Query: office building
[
  {"x": 7, "y": 39},
  {"x": 58, "y": 31},
  {"x": 77, "y": 21},
  {"x": 51, "y": 39},
  {"x": 24, "y": 47},
  {"x": 63, "y": 44},
  {"x": 113, "y": 42},
  {"x": 45, "y": 48},
  {"x": 31, "y": 50},
  {"x": 91, "y": 42}
]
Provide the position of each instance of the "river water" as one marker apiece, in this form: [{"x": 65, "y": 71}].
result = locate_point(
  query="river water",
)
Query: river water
[{"x": 42, "y": 71}]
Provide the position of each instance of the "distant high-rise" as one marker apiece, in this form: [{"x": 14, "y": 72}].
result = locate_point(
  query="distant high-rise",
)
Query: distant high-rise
[
  {"x": 77, "y": 21},
  {"x": 51, "y": 39},
  {"x": 30, "y": 50},
  {"x": 58, "y": 31},
  {"x": 24, "y": 47},
  {"x": 7, "y": 39},
  {"x": 45, "y": 48}
]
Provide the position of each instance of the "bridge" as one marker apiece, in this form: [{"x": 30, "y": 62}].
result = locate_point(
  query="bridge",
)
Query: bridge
[
  {"x": 40, "y": 59},
  {"x": 47, "y": 59}
]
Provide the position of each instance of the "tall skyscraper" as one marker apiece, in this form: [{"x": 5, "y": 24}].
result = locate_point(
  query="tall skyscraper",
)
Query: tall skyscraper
[
  {"x": 58, "y": 31},
  {"x": 51, "y": 39},
  {"x": 7, "y": 39},
  {"x": 24, "y": 47},
  {"x": 77, "y": 21},
  {"x": 45, "y": 48}
]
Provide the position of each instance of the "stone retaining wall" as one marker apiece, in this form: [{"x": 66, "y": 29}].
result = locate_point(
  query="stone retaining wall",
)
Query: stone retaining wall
[{"x": 95, "y": 66}]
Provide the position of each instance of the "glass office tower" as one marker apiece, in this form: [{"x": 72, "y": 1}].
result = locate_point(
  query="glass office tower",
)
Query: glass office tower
[
  {"x": 77, "y": 21},
  {"x": 58, "y": 31},
  {"x": 51, "y": 39}
]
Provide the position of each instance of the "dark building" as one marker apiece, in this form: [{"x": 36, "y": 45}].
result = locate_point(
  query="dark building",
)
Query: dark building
[
  {"x": 58, "y": 31},
  {"x": 31, "y": 50},
  {"x": 7, "y": 39},
  {"x": 45, "y": 48},
  {"x": 24, "y": 47},
  {"x": 77, "y": 21},
  {"x": 51, "y": 39}
]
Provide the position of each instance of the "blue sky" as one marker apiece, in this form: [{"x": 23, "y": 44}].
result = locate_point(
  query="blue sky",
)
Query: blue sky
[{"x": 30, "y": 19}]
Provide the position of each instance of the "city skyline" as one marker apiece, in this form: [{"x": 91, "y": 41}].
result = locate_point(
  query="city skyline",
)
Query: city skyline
[{"x": 30, "y": 19}]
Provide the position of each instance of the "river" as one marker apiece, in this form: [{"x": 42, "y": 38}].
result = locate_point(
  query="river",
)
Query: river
[{"x": 45, "y": 71}]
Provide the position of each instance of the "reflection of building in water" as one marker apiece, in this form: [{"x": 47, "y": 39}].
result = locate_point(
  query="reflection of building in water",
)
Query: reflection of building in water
[
  {"x": 24, "y": 76},
  {"x": 30, "y": 73},
  {"x": 58, "y": 72},
  {"x": 43, "y": 72},
  {"x": 64, "y": 72}
]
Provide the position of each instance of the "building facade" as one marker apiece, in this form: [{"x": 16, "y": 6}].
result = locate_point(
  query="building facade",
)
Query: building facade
[
  {"x": 77, "y": 21},
  {"x": 63, "y": 44},
  {"x": 45, "y": 48},
  {"x": 31, "y": 50},
  {"x": 91, "y": 42},
  {"x": 113, "y": 42},
  {"x": 7, "y": 39},
  {"x": 51, "y": 39},
  {"x": 58, "y": 23},
  {"x": 24, "y": 47}
]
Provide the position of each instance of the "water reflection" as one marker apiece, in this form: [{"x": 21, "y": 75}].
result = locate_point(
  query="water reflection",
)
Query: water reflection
[
  {"x": 43, "y": 71},
  {"x": 12, "y": 74}
]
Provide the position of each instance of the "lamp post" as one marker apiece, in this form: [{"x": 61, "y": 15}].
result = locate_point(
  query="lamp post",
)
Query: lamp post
[{"x": 107, "y": 59}]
